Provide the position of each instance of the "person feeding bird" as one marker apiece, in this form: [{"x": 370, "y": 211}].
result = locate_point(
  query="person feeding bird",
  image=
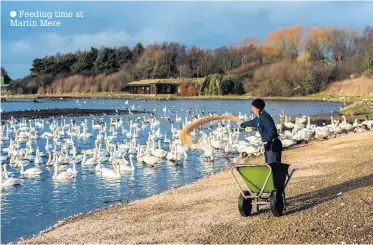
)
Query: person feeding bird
[{"x": 268, "y": 132}]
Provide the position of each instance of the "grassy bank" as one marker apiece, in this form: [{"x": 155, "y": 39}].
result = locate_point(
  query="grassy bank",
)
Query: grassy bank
[{"x": 109, "y": 95}]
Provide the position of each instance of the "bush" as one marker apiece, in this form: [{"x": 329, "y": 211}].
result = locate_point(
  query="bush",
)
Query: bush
[
  {"x": 187, "y": 88},
  {"x": 212, "y": 85},
  {"x": 238, "y": 88},
  {"x": 227, "y": 87},
  {"x": 243, "y": 72},
  {"x": 369, "y": 73},
  {"x": 284, "y": 79}
]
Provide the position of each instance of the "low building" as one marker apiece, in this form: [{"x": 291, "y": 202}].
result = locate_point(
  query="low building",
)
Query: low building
[
  {"x": 162, "y": 86},
  {"x": 4, "y": 84}
]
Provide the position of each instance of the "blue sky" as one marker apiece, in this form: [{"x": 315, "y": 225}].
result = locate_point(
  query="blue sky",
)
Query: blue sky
[{"x": 205, "y": 24}]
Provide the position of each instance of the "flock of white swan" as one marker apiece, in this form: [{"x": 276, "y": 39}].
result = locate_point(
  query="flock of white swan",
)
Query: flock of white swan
[{"x": 110, "y": 157}]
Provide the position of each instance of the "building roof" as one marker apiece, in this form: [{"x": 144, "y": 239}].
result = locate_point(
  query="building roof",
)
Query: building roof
[{"x": 160, "y": 81}]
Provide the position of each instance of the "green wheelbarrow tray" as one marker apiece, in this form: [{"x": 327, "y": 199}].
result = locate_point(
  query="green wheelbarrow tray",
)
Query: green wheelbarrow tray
[{"x": 265, "y": 184}]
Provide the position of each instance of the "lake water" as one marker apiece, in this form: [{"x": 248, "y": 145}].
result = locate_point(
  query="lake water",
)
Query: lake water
[{"x": 40, "y": 202}]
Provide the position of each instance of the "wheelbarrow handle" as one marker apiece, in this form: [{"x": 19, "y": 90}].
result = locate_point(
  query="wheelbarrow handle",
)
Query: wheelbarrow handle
[{"x": 289, "y": 176}]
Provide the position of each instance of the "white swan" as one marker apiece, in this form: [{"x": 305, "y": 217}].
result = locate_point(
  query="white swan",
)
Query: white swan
[
  {"x": 30, "y": 171},
  {"x": 73, "y": 170},
  {"x": 347, "y": 126},
  {"x": 171, "y": 156},
  {"x": 64, "y": 175},
  {"x": 108, "y": 172},
  {"x": 126, "y": 167},
  {"x": 287, "y": 124},
  {"x": 9, "y": 181},
  {"x": 159, "y": 152},
  {"x": 150, "y": 160},
  {"x": 38, "y": 159}
]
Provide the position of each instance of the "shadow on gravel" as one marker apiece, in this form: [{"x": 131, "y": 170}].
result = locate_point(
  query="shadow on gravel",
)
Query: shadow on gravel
[{"x": 313, "y": 198}]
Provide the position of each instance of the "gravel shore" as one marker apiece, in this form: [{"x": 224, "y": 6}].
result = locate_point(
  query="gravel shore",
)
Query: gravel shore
[{"x": 330, "y": 200}]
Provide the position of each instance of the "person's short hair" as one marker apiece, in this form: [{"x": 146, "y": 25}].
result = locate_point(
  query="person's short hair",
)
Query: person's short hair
[{"x": 258, "y": 103}]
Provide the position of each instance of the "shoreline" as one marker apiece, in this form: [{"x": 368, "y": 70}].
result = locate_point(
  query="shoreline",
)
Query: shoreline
[
  {"x": 114, "y": 95},
  {"x": 322, "y": 195}
]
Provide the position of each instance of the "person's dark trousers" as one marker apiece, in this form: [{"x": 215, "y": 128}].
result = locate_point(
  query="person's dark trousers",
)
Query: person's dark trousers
[{"x": 272, "y": 151}]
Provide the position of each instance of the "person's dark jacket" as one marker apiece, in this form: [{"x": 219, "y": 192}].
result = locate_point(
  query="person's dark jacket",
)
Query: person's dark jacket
[{"x": 266, "y": 126}]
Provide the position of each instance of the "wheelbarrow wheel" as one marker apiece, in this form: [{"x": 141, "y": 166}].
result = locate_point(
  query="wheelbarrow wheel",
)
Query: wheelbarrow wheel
[
  {"x": 245, "y": 205},
  {"x": 277, "y": 203}
]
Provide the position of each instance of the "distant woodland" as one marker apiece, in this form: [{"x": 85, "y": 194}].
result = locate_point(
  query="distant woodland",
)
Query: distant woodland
[{"x": 292, "y": 61}]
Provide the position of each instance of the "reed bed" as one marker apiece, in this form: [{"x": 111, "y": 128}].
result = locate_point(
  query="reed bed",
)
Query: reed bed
[{"x": 185, "y": 132}]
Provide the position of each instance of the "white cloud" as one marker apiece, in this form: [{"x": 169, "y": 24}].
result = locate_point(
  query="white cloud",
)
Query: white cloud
[
  {"x": 51, "y": 43},
  {"x": 20, "y": 46}
]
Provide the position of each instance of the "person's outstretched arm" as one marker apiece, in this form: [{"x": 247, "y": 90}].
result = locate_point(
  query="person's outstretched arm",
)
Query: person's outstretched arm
[{"x": 252, "y": 123}]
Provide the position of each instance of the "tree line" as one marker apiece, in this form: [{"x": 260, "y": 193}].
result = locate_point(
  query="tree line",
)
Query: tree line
[{"x": 292, "y": 61}]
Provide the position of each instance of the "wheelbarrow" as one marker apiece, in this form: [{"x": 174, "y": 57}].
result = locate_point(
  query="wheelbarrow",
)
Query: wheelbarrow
[{"x": 265, "y": 184}]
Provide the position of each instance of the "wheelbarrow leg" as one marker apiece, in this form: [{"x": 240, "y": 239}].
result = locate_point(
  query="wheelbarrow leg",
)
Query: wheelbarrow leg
[
  {"x": 284, "y": 198},
  {"x": 286, "y": 183}
]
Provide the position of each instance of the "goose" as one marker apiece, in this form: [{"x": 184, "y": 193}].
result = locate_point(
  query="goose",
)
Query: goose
[{"x": 9, "y": 181}]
